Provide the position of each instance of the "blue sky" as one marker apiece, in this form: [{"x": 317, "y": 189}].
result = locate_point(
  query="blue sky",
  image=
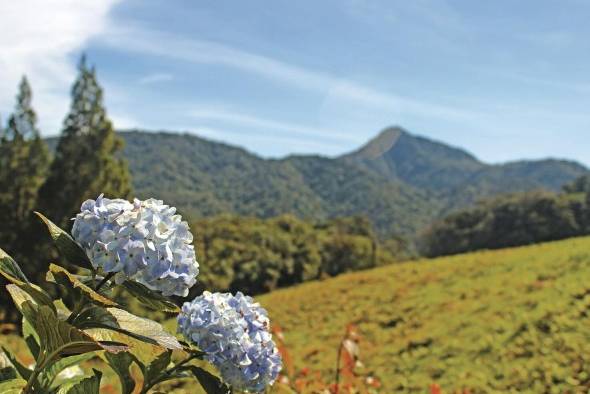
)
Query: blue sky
[{"x": 503, "y": 79}]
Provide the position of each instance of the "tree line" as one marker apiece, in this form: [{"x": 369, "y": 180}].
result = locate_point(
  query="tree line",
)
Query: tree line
[
  {"x": 259, "y": 255},
  {"x": 512, "y": 220},
  {"x": 84, "y": 165}
]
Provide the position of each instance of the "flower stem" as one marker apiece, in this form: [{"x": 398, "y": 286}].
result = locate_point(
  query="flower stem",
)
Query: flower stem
[
  {"x": 29, "y": 387},
  {"x": 104, "y": 280},
  {"x": 168, "y": 372}
]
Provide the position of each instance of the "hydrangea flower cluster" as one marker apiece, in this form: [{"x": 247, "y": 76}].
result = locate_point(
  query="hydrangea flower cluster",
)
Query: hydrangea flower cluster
[
  {"x": 145, "y": 241},
  {"x": 233, "y": 331}
]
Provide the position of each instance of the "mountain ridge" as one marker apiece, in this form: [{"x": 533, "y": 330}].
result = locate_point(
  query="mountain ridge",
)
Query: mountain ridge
[{"x": 407, "y": 182}]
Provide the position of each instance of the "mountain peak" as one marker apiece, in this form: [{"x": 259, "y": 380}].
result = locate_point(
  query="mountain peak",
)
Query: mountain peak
[
  {"x": 382, "y": 143},
  {"x": 416, "y": 160}
]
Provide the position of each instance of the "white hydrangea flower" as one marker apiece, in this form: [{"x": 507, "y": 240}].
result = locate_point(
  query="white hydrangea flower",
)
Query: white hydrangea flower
[
  {"x": 145, "y": 241},
  {"x": 234, "y": 332}
]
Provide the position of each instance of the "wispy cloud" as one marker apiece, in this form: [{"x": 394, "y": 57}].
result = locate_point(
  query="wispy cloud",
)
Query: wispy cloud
[
  {"x": 37, "y": 38},
  {"x": 264, "y": 124},
  {"x": 155, "y": 78},
  {"x": 282, "y": 144},
  {"x": 207, "y": 52}
]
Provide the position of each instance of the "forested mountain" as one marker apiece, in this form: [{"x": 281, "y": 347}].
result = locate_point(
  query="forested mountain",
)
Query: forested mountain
[
  {"x": 455, "y": 176},
  {"x": 418, "y": 161},
  {"x": 205, "y": 178},
  {"x": 401, "y": 182}
]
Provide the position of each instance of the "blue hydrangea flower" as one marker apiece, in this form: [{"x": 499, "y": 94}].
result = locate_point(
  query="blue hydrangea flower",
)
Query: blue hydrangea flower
[
  {"x": 234, "y": 333},
  {"x": 143, "y": 241}
]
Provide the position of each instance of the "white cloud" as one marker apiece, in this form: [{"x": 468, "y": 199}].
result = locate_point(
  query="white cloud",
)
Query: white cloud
[
  {"x": 155, "y": 78},
  {"x": 207, "y": 52},
  {"x": 37, "y": 38}
]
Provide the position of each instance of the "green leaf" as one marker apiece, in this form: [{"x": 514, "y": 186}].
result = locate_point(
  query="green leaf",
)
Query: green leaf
[
  {"x": 11, "y": 270},
  {"x": 149, "y": 298},
  {"x": 31, "y": 293},
  {"x": 210, "y": 383},
  {"x": 67, "y": 247},
  {"x": 60, "y": 339},
  {"x": 157, "y": 366},
  {"x": 129, "y": 324},
  {"x": 14, "y": 386},
  {"x": 49, "y": 375},
  {"x": 33, "y": 346},
  {"x": 69, "y": 282},
  {"x": 7, "y": 373},
  {"x": 89, "y": 385},
  {"x": 23, "y": 371},
  {"x": 120, "y": 363},
  {"x": 29, "y": 332}
]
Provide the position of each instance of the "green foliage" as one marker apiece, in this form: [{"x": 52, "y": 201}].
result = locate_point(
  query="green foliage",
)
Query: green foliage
[
  {"x": 514, "y": 220},
  {"x": 65, "y": 244},
  {"x": 579, "y": 185},
  {"x": 255, "y": 255},
  {"x": 120, "y": 363},
  {"x": 85, "y": 164},
  {"x": 148, "y": 298},
  {"x": 83, "y": 323},
  {"x": 24, "y": 160},
  {"x": 506, "y": 321}
]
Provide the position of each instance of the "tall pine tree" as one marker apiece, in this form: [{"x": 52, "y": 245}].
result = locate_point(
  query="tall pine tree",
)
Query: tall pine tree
[
  {"x": 85, "y": 163},
  {"x": 24, "y": 160}
]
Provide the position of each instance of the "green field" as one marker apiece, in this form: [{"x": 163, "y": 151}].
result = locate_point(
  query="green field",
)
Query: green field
[{"x": 514, "y": 320}]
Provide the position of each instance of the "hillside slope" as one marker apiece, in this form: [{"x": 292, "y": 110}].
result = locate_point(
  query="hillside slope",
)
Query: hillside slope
[
  {"x": 400, "y": 181},
  {"x": 205, "y": 178},
  {"x": 510, "y": 320}
]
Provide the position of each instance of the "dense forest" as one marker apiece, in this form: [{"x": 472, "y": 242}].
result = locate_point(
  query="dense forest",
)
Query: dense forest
[
  {"x": 259, "y": 255},
  {"x": 513, "y": 220},
  {"x": 399, "y": 181}
]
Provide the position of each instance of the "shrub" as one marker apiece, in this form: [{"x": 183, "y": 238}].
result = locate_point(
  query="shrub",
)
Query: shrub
[{"x": 144, "y": 249}]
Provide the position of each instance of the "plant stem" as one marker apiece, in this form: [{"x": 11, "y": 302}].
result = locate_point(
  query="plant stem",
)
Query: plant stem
[
  {"x": 32, "y": 379},
  {"x": 77, "y": 309},
  {"x": 180, "y": 364},
  {"x": 104, "y": 280},
  {"x": 82, "y": 303},
  {"x": 147, "y": 387},
  {"x": 28, "y": 388}
]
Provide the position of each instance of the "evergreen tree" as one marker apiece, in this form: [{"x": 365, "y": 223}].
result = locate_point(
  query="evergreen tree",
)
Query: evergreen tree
[
  {"x": 23, "y": 166},
  {"x": 85, "y": 162},
  {"x": 24, "y": 160}
]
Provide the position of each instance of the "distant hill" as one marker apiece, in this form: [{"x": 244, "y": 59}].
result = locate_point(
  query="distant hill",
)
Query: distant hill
[
  {"x": 454, "y": 175},
  {"x": 206, "y": 178},
  {"x": 417, "y": 161},
  {"x": 399, "y": 181}
]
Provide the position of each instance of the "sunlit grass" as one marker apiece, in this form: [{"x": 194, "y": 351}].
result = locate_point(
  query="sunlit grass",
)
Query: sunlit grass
[{"x": 507, "y": 320}]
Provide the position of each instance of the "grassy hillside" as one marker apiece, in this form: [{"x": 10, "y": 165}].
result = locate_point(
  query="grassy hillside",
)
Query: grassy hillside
[{"x": 513, "y": 320}]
